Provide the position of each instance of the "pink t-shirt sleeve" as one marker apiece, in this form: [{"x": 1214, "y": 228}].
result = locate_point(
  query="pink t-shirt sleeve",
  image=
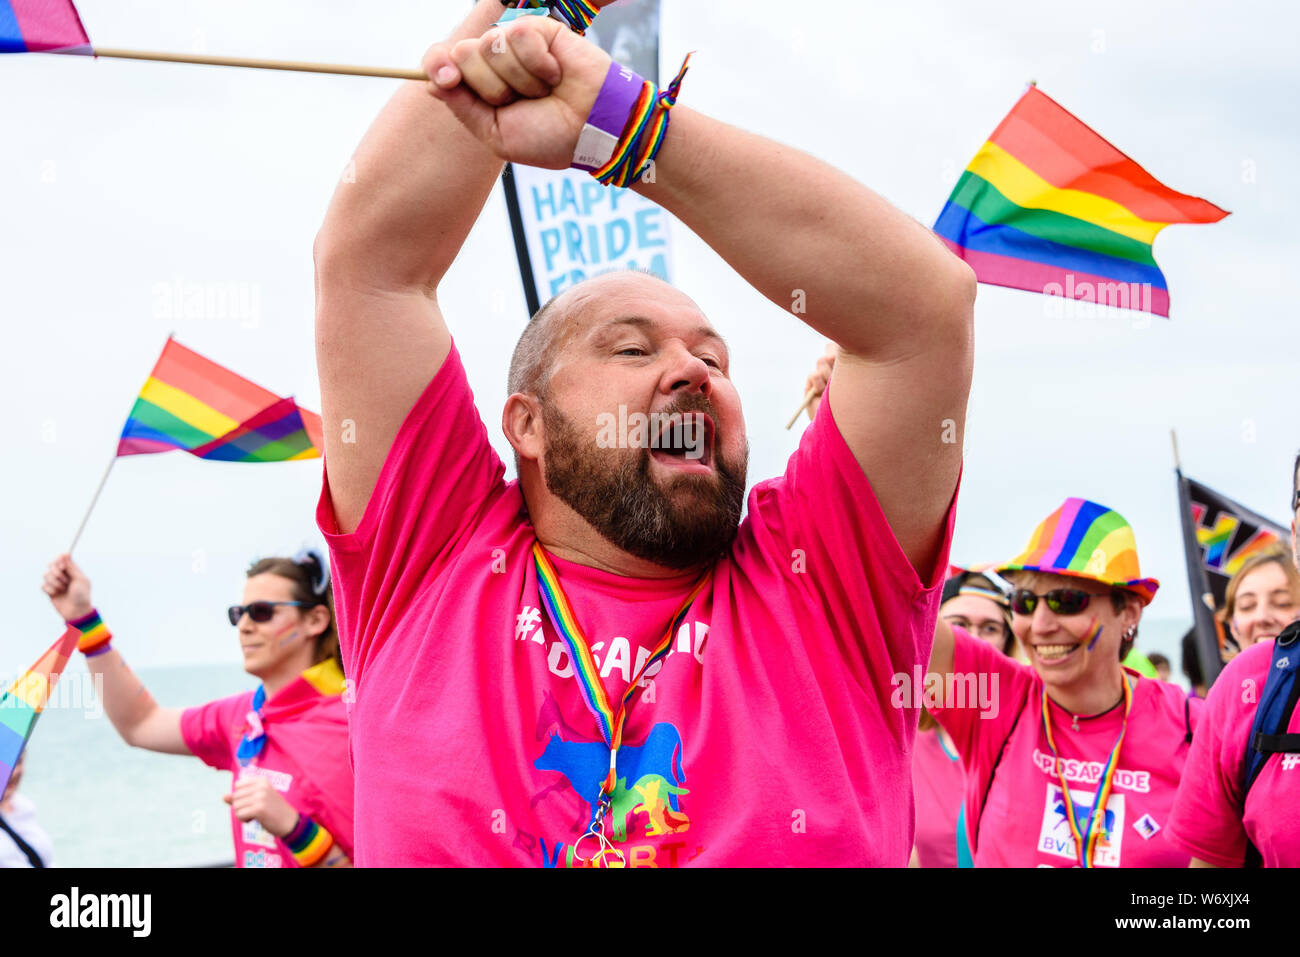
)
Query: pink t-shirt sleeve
[
  {"x": 979, "y": 729},
  {"x": 1206, "y": 820},
  {"x": 440, "y": 475},
  {"x": 821, "y": 521},
  {"x": 209, "y": 729}
]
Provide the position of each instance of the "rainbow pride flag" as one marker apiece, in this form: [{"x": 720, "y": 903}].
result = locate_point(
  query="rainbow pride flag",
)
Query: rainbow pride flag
[
  {"x": 191, "y": 403},
  {"x": 1049, "y": 206},
  {"x": 26, "y": 698},
  {"x": 41, "y": 26},
  {"x": 276, "y": 434}
]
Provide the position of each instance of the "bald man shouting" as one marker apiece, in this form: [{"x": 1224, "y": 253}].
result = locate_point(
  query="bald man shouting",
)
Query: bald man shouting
[{"x": 600, "y": 664}]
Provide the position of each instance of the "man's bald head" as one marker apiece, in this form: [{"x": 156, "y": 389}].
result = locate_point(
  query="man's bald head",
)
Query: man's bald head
[
  {"x": 623, "y": 347},
  {"x": 549, "y": 327}
]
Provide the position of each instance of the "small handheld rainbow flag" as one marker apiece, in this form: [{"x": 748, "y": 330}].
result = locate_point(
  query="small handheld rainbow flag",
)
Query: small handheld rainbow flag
[
  {"x": 1049, "y": 206},
  {"x": 26, "y": 698},
  {"x": 54, "y": 26},
  {"x": 191, "y": 403},
  {"x": 41, "y": 26}
]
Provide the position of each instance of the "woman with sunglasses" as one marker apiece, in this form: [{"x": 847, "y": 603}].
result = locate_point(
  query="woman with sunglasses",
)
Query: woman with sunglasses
[
  {"x": 1072, "y": 759},
  {"x": 286, "y": 742}
]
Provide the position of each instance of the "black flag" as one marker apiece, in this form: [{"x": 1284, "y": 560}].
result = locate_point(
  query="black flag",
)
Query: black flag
[{"x": 1219, "y": 534}]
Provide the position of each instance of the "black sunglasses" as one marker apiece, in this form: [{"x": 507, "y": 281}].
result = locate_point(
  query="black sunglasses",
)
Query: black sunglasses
[
  {"x": 260, "y": 611},
  {"x": 1061, "y": 601}
]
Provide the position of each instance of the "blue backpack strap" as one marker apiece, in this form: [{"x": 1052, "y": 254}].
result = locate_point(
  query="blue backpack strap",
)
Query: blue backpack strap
[{"x": 1276, "y": 703}]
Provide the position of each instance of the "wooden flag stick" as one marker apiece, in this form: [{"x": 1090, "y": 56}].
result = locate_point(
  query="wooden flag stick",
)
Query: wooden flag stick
[
  {"x": 389, "y": 73},
  {"x": 807, "y": 401},
  {"x": 85, "y": 518}
]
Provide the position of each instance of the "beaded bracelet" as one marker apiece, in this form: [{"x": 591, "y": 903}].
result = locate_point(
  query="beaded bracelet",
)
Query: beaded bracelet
[
  {"x": 95, "y": 635},
  {"x": 308, "y": 841}
]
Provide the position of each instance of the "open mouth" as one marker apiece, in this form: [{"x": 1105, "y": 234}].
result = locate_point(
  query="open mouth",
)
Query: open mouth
[
  {"x": 1055, "y": 653},
  {"x": 685, "y": 443}
]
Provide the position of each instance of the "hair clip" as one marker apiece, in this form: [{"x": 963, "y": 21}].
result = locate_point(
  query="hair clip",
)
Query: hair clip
[{"x": 306, "y": 554}]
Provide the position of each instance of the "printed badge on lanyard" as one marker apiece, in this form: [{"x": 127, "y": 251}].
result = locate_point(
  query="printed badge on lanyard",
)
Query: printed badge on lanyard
[{"x": 609, "y": 721}]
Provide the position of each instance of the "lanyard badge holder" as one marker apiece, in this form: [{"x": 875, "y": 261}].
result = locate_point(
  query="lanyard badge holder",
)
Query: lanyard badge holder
[{"x": 608, "y": 720}]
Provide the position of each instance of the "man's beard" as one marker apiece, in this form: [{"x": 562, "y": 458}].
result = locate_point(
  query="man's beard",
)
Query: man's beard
[{"x": 683, "y": 523}]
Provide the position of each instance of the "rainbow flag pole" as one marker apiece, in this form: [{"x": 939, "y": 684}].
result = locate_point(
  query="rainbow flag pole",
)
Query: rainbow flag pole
[
  {"x": 191, "y": 404},
  {"x": 25, "y": 699},
  {"x": 1049, "y": 206},
  {"x": 54, "y": 26},
  {"x": 86, "y": 518},
  {"x": 295, "y": 66}
]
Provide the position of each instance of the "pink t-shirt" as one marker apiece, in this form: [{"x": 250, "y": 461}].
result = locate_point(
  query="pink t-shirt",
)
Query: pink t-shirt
[
  {"x": 765, "y": 738},
  {"x": 1015, "y": 812},
  {"x": 940, "y": 785},
  {"x": 305, "y": 759},
  {"x": 1208, "y": 819}
]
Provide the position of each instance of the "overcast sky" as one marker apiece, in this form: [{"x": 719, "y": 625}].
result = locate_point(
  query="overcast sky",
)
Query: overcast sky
[{"x": 121, "y": 179}]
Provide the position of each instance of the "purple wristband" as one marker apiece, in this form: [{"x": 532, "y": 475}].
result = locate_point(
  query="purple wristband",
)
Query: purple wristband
[
  {"x": 302, "y": 826},
  {"x": 608, "y": 118}
]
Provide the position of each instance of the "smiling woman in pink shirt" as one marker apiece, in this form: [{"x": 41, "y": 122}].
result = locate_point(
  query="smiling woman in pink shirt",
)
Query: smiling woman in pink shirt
[
  {"x": 1263, "y": 597},
  {"x": 1072, "y": 760},
  {"x": 285, "y": 743}
]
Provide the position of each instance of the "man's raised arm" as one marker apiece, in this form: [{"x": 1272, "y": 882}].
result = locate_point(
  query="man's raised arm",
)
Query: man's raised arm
[
  {"x": 873, "y": 280},
  {"x": 876, "y": 282},
  {"x": 387, "y": 240}
]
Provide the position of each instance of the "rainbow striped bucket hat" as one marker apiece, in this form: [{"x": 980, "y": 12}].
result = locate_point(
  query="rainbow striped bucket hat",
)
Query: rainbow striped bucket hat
[{"x": 1086, "y": 540}]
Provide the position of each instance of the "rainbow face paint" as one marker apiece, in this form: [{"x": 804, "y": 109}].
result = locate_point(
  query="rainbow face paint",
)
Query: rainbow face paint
[{"x": 1094, "y": 632}]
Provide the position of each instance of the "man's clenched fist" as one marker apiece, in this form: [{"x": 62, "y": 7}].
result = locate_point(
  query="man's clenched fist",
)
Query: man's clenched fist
[{"x": 524, "y": 89}]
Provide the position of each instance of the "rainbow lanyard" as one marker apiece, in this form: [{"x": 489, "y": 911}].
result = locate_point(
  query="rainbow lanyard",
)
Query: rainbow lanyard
[
  {"x": 584, "y": 666},
  {"x": 1086, "y": 843}
]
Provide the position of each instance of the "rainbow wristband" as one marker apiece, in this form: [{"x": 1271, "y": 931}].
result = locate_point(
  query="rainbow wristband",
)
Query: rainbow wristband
[
  {"x": 95, "y": 635},
  {"x": 308, "y": 841},
  {"x": 577, "y": 15},
  {"x": 609, "y": 117},
  {"x": 627, "y": 126}
]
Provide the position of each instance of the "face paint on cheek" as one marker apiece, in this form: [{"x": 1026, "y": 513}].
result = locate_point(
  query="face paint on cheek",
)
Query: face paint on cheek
[
  {"x": 287, "y": 636},
  {"x": 1094, "y": 632}
]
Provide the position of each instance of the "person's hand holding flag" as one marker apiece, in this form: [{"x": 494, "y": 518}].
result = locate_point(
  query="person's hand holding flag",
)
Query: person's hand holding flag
[{"x": 524, "y": 89}]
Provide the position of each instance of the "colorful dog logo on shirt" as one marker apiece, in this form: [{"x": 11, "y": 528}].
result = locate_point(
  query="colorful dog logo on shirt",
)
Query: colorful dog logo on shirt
[
  {"x": 1081, "y": 814},
  {"x": 1056, "y": 838},
  {"x": 585, "y": 764}
]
